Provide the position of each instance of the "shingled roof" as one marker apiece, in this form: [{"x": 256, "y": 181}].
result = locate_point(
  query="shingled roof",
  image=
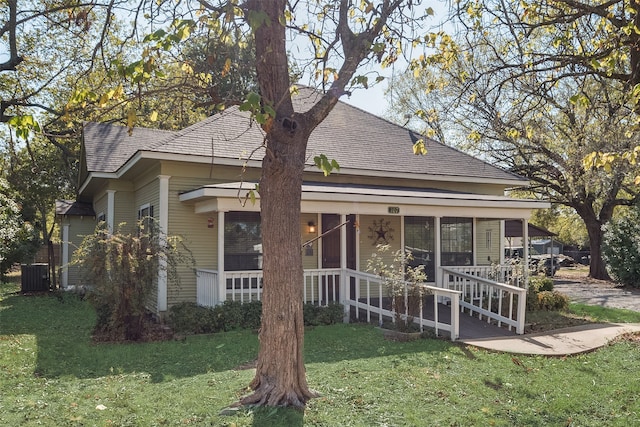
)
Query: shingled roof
[{"x": 357, "y": 140}]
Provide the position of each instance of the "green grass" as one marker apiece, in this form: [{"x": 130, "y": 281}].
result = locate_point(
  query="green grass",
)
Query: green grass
[
  {"x": 51, "y": 374},
  {"x": 602, "y": 314}
]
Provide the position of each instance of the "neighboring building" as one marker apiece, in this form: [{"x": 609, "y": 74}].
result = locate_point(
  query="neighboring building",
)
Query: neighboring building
[{"x": 448, "y": 207}]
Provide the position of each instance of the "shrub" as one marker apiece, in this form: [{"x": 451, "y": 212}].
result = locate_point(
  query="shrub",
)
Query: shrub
[
  {"x": 621, "y": 248},
  {"x": 541, "y": 296},
  {"x": 190, "y": 318},
  {"x": 122, "y": 269},
  {"x": 315, "y": 315},
  {"x": 551, "y": 301},
  {"x": 540, "y": 284},
  {"x": 400, "y": 280}
]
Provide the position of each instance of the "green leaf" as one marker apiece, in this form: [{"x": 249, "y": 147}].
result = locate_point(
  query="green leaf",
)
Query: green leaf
[{"x": 325, "y": 165}]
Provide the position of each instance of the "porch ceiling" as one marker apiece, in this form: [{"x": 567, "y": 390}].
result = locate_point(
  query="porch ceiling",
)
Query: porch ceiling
[{"x": 328, "y": 197}]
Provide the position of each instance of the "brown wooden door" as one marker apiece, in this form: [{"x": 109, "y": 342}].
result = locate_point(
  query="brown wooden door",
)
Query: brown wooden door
[
  {"x": 331, "y": 242},
  {"x": 331, "y": 249}
]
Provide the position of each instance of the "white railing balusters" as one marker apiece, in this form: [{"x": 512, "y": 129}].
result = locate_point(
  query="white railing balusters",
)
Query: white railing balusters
[{"x": 477, "y": 288}]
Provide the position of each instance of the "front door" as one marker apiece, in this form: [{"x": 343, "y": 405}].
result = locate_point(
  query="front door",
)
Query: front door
[{"x": 331, "y": 250}]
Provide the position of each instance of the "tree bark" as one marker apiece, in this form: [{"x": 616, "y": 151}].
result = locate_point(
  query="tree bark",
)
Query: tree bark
[
  {"x": 280, "y": 373},
  {"x": 597, "y": 267}
]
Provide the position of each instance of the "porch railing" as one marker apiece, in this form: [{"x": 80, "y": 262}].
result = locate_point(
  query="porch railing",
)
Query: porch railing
[
  {"x": 362, "y": 291},
  {"x": 500, "y": 302},
  {"x": 509, "y": 274},
  {"x": 370, "y": 293}
]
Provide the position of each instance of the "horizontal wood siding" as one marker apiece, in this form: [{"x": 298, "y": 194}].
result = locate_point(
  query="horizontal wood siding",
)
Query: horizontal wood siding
[
  {"x": 196, "y": 234},
  {"x": 368, "y": 236},
  {"x": 100, "y": 204},
  {"x": 79, "y": 227},
  {"x": 309, "y": 252},
  {"x": 125, "y": 210},
  {"x": 487, "y": 241}
]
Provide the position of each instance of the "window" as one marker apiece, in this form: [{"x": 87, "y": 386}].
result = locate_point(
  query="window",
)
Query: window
[
  {"x": 419, "y": 238},
  {"x": 145, "y": 218},
  {"x": 242, "y": 241},
  {"x": 102, "y": 217},
  {"x": 456, "y": 235}
]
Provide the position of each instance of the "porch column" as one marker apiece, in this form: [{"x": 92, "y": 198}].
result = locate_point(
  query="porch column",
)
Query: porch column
[
  {"x": 163, "y": 222},
  {"x": 111, "y": 210},
  {"x": 64, "y": 280},
  {"x": 474, "y": 241},
  {"x": 319, "y": 254},
  {"x": 222, "y": 281},
  {"x": 437, "y": 257},
  {"x": 343, "y": 242},
  {"x": 357, "y": 242},
  {"x": 344, "y": 278},
  {"x": 502, "y": 238},
  {"x": 525, "y": 250}
]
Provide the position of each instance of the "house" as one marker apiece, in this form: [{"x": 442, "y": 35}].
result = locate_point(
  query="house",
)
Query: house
[{"x": 448, "y": 207}]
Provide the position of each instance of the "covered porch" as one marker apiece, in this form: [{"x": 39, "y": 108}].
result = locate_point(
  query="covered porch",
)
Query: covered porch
[{"x": 459, "y": 237}]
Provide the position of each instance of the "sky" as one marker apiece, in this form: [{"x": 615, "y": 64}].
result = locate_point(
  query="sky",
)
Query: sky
[{"x": 372, "y": 100}]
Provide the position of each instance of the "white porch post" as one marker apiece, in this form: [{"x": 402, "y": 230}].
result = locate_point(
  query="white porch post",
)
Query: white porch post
[
  {"x": 163, "y": 222},
  {"x": 344, "y": 278},
  {"x": 319, "y": 254},
  {"x": 343, "y": 242},
  {"x": 437, "y": 256},
  {"x": 474, "y": 241},
  {"x": 111, "y": 210},
  {"x": 64, "y": 280},
  {"x": 525, "y": 251},
  {"x": 502, "y": 238},
  {"x": 357, "y": 242},
  {"x": 222, "y": 280}
]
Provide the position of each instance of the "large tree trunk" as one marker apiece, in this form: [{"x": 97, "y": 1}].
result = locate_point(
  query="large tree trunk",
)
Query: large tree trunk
[
  {"x": 597, "y": 267},
  {"x": 593, "y": 223},
  {"x": 280, "y": 374}
]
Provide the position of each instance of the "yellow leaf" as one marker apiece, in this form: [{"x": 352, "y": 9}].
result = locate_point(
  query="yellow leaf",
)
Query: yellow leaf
[
  {"x": 187, "y": 68},
  {"x": 154, "y": 116},
  {"x": 227, "y": 67},
  {"x": 131, "y": 119},
  {"x": 419, "y": 148}
]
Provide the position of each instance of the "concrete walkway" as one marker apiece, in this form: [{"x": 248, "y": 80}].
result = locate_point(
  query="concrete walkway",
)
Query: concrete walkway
[
  {"x": 561, "y": 342},
  {"x": 578, "y": 339}
]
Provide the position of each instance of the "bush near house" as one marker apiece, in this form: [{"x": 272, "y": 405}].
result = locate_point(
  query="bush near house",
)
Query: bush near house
[
  {"x": 541, "y": 295},
  {"x": 190, "y": 318},
  {"x": 122, "y": 270}
]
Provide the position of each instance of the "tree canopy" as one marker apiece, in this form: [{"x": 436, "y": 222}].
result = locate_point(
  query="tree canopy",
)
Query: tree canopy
[{"x": 537, "y": 87}]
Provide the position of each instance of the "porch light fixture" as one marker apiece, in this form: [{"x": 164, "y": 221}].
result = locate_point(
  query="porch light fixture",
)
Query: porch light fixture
[{"x": 312, "y": 227}]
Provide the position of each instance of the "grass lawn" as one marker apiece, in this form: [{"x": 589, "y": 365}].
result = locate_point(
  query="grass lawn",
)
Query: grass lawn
[{"x": 51, "y": 374}]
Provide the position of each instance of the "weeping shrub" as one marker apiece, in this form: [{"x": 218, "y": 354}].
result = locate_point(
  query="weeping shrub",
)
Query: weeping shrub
[{"x": 121, "y": 271}]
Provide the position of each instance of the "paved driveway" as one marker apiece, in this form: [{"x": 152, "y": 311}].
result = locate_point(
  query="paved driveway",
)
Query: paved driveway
[{"x": 598, "y": 292}]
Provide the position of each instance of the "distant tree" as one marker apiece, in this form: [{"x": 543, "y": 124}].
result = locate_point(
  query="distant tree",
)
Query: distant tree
[
  {"x": 539, "y": 86},
  {"x": 16, "y": 235},
  {"x": 621, "y": 247}
]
